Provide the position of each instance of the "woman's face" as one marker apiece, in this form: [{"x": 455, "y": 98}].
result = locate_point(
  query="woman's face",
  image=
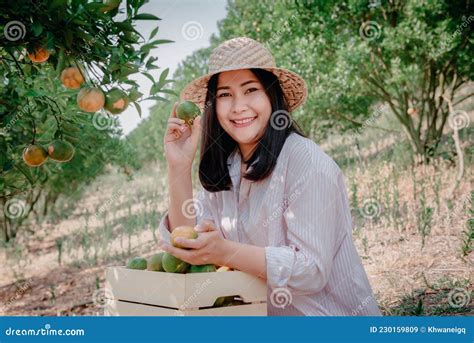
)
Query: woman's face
[{"x": 240, "y": 96}]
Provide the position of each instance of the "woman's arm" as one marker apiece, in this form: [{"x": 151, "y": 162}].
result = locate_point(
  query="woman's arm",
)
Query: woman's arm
[
  {"x": 180, "y": 191},
  {"x": 246, "y": 258}
]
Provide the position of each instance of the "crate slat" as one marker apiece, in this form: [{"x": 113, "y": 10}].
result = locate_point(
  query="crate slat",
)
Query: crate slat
[{"x": 122, "y": 308}]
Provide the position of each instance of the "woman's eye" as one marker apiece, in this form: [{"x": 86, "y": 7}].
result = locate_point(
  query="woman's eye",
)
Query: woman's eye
[
  {"x": 252, "y": 89},
  {"x": 223, "y": 95}
]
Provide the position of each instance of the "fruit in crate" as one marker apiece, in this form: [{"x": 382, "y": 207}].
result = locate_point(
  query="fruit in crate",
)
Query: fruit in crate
[
  {"x": 205, "y": 268},
  {"x": 187, "y": 232},
  {"x": 173, "y": 264},
  {"x": 137, "y": 263},
  {"x": 223, "y": 301},
  {"x": 155, "y": 262}
]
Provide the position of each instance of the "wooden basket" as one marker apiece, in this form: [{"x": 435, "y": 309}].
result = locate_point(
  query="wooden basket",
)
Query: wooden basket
[{"x": 146, "y": 293}]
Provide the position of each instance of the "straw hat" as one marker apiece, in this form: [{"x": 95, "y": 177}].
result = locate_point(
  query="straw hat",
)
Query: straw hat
[{"x": 246, "y": 53}]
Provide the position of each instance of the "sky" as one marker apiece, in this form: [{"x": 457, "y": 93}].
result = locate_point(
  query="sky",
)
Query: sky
[{"x": 190, "y": 24}]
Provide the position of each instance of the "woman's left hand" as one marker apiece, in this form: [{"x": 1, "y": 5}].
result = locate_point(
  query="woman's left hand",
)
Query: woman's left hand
[{"x": 209, "y": 248}]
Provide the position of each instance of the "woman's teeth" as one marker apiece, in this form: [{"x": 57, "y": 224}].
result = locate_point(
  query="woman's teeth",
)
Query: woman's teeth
[{"x": 243, "y": 122}]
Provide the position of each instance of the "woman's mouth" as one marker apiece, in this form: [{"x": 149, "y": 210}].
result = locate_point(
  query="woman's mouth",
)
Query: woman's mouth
[{"x": 243, "y": 122}]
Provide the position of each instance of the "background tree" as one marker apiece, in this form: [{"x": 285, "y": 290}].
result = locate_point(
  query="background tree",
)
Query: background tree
[{"x": 39, "y": 39}]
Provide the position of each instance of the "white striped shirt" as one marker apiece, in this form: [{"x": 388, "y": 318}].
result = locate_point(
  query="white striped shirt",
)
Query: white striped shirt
[{"x": 301, "y": 216}]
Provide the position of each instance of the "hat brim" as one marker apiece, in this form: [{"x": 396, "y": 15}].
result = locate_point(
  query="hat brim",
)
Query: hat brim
[{"x": 293, "y": 86}]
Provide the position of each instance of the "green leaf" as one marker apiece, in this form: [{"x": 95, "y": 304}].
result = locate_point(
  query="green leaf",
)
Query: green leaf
[
  {"x": 37, "y": 29},
  {"x": 25, "y": 171},
  {"x": 156, "y": 97},
  {"x": 169, "y": 91},
  {"x": 125, "y": 26},
  {"x": 163, "y": 75},
  {"x": 146, "y": 16},
  {"x": 153, "y": 33},
  {"x": 149, "y": 77},
  {"x": 139, "y": 109},
  {"x": 134, "y": 94}
]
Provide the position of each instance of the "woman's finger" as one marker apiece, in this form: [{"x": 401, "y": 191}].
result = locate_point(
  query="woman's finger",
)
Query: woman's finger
[
  {"x": 205, "y": 225},
  {"x": 197, "y": 243},
  {"x": 173, "y": 111},
  {"x": 176, "y": 120},
  {"x": 182, "y": 254}
]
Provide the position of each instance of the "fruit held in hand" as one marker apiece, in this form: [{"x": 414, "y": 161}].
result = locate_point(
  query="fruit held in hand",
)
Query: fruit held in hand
[
  {"x": 137, "y": 263},
  {"x": 116, "y": 101},
  {"x": 184, "y": 232},
  {"x": 173, "y": 264},
  {"x": 61, "y": 151},
  {"x": 72, "y": 78},
  {"x": 223, "y": 269},
  {"x": 40, "y": 55},
  {"x": 90, "y": 99},
  {"x": 187, "y": 110},
  {"x": 34, "y": 155},
  {"x": 205, "y": 268},
  {"x": 155, "y": 263}
]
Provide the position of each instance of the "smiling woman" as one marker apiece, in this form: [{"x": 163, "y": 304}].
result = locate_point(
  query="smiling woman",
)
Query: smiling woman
[{"x": 273, "y": 204}]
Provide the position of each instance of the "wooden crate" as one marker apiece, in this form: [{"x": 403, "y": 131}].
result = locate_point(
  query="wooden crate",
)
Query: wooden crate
[{"x": 146, "y": 293}]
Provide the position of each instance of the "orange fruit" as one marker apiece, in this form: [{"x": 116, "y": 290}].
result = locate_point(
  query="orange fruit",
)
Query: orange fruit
[
  {"x": 40, "y": 55},
  {"x": 90, "y": 99},
  {"x": 187, "y": 232},
  {"x": 72, "y": 78},
  {"x": 34, "y": 155}
]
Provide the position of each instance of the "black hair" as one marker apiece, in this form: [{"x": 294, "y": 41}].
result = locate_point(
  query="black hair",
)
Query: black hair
[{"x": 217, "y": 145}]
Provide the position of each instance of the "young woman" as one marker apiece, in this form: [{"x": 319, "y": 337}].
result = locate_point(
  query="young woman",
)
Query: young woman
[{"x": 273, "y": 204}]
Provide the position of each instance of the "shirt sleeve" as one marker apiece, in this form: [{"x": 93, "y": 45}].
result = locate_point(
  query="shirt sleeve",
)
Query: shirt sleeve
[
  {"x": 204, "y": 203},
  {"x": 317, "y": 206}
]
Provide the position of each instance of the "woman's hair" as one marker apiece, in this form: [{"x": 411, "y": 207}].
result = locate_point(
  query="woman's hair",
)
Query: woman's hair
[{"x": 217, "y": 145}]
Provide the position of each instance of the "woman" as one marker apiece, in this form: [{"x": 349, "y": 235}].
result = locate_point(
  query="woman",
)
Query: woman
[{"x": 273, "y": 204}]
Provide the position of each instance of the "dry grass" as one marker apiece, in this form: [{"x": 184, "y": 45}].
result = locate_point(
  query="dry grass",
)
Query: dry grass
[{"x": 410, "y": 227}]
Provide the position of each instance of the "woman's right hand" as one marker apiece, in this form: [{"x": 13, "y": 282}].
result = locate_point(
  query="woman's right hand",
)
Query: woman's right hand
[{"x": 181, "y": 141}]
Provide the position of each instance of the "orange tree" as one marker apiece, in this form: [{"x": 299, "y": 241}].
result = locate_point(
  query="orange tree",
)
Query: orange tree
[{"x": 65, "y": 68}]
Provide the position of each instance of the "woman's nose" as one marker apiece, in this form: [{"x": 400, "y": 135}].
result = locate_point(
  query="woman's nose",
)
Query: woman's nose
[{"x": 239, "y": 105}]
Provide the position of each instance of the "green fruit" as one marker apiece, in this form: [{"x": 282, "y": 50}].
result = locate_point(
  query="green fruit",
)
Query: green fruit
[
  {"x": 173, "y": 264},
  {"x": 155, "y": 262},
  {"x": 205, "y": 268},
  {"x": 137, "y": 263},
  {"x": 116, "y": 101},
  {"x": 109, "y": 5},
  {"x": 61, "y": 151},
  {"x": 187, "y": 111},
  {"x": 223, "y": 301}
]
